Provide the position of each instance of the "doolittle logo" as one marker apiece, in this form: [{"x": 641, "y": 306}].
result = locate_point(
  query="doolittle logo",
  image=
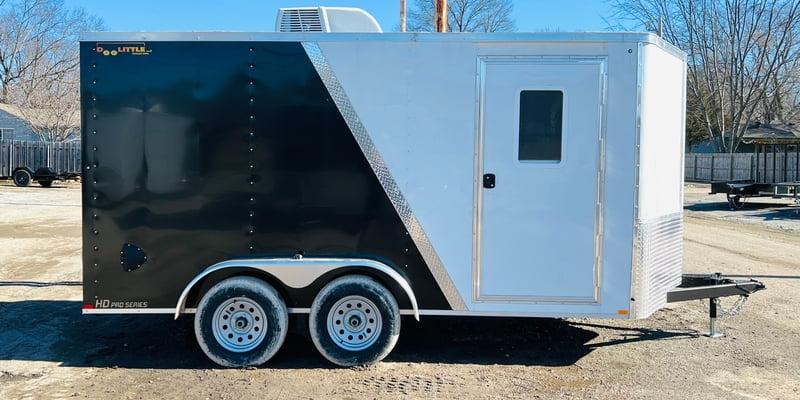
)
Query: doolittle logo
[{"x": 113, "y": 49}]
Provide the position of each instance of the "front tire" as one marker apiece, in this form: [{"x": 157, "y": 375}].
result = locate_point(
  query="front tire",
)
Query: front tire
[
  {"x": 241, "y": 321},
  {"x": 354, "y": 320},
  {"x": 22, "y": 178}
]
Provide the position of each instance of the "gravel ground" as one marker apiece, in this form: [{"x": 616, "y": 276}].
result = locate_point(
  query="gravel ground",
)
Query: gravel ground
[{"x": 49, "y": 350}]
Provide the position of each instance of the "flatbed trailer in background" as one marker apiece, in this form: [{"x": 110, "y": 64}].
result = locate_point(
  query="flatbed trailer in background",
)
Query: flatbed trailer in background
[
  {"x": 736, "y": 191},
  {"x": 26, "y": 162},
  {"x": 773, "y": 172},
  {"x": 44, "y": 176}
]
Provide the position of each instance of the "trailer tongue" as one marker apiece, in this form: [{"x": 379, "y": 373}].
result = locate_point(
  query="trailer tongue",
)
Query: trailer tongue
[{"x": 713, "y": 287}]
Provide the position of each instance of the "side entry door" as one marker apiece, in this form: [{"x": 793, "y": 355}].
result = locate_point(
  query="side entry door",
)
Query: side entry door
[{"x": 539, "y": 163}]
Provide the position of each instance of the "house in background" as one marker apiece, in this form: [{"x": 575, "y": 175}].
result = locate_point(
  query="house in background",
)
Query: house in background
[
  {"x": 12, "y": 125},
  {"x": 776, "y": 132},
  {"x": 773, "y": 133},
  {"x": 768, "y": 155}
]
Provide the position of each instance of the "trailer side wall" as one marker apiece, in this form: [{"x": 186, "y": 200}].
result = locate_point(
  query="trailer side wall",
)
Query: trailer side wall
[{"x": 658, "y": 248}]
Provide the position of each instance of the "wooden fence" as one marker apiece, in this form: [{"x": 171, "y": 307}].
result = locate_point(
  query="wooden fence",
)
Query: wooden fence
[
  {"x": 61, "y": 157},
  {"x": 766, "y": 168}
]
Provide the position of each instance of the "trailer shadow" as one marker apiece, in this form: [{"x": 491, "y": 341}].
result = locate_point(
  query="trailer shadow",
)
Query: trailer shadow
[
  {"x": 631, "y": 335},
  {"x": 57, "y": 185},
  {"x": 746, "y": 207},
  {"x": 55, "y": 331},
  {"x": 40, "y": 284},
  {"x": 784, "y": 214},
  {"x": 751, "y": 209},
  {"x": 492, "y": 340}
]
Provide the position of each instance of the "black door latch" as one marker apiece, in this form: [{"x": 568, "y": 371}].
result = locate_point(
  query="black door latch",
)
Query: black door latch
[{"x": 488, "y": 181}]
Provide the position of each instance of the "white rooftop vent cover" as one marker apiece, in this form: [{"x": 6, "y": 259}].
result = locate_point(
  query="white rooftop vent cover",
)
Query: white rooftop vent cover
[{"x": 325, "y": 19}]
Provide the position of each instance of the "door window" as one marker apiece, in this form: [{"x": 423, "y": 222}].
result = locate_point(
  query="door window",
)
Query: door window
[{"x": 540, "y": 115}]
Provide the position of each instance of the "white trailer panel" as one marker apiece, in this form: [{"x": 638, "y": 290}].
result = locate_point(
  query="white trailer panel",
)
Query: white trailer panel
[{"x": 554, "y": 236}]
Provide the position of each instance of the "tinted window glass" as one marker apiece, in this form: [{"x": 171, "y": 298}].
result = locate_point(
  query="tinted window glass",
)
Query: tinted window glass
[{"x": 540, "y": 113}]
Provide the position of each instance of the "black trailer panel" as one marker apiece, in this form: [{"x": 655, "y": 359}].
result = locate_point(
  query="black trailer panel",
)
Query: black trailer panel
[{"x": 200, "y": 152}]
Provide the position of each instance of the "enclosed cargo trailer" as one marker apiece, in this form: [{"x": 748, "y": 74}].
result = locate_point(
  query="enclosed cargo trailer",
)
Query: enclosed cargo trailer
[{"x": 352, "y": 178}]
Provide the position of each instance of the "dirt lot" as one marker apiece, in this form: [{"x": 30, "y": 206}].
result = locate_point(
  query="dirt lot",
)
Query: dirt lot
[{"x": 49, "y": 350}]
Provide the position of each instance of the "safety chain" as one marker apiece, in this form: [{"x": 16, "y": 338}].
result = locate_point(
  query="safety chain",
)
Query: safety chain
[{"x": 737, "y": 307}]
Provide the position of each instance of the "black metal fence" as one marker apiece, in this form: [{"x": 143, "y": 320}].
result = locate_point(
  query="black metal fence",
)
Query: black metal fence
[
  {"x": 762, "y": 167},
  {"x": 61, "y": 157}
]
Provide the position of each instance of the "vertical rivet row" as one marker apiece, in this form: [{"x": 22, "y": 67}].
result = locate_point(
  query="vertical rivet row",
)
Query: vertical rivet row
[
  {"x": 90, "y": 176},
  {"x": 251, "y": 143}
]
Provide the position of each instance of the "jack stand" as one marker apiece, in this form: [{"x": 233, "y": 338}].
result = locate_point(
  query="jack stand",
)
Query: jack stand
[{"x": 712, "y": 313}]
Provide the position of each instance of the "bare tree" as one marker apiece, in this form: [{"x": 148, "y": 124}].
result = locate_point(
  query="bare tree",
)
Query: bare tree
[
  {"x": 50, "y": 107},
  {"x": 39, "y": 63},
  {"x": 739, "y": 52},
  {"x": 465, "y": 16},
  {"x": 782, "y": 99}
]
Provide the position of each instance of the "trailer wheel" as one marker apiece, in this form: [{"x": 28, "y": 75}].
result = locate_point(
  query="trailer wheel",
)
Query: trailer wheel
[
  {"x": 241, "y": 321},
  {"x": 354, "y": 320},
  {"x": 22, "y": 178},
  {"x": 46, "y": 183}
]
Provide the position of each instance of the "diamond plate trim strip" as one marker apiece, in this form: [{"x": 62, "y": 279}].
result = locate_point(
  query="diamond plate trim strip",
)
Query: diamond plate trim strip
[{"x": 384, "y": 176}]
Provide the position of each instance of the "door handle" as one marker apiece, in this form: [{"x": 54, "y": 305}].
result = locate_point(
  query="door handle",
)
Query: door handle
[{"x": 488, "y": 181}]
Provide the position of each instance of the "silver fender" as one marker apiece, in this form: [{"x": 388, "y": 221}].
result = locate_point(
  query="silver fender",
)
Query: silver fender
[{"x": 299, "y": 273}]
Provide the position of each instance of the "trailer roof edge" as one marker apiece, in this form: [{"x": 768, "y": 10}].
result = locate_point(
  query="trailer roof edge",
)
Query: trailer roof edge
[{"x": 230, "y": 36}]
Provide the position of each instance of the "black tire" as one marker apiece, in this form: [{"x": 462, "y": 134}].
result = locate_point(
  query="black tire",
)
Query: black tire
[
  {"x": 46, "y": 183},
  {"x": 22, "y": 178},
  {"x": 354, "y": 320},
  {"x": 260, "y": 313}
]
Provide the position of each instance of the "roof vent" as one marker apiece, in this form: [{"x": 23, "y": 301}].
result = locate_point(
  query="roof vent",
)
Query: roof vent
[{"x": 325, "y": 19}]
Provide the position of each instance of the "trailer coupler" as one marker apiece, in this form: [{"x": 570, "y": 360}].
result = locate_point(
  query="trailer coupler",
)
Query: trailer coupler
[{"x": 712, "y": 287}]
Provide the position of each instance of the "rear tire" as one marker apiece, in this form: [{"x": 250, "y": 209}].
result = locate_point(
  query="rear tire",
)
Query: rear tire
[
  {"x": 241, "y": 321},
  {"x": 22, "y": 178},
  {"x": 354, "y": 320}
]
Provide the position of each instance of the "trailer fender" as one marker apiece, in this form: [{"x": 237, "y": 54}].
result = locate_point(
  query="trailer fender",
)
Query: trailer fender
[
  {"x": 45, "y": 172},
  {"x": 299, "y": 273},
  {"x": 29, "y": 169}
]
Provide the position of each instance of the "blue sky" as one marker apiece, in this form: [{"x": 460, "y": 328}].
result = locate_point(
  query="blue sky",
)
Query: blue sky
[{"x": 259, "y": 15}]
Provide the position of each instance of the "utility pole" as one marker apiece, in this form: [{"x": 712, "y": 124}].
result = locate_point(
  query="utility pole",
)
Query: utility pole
[
  {"x": 402, "y": 15},
  {"x": 441, "y": 15}
]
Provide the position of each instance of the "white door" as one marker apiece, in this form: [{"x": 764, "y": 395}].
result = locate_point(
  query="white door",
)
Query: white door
[{"x": 539, "y": 204}]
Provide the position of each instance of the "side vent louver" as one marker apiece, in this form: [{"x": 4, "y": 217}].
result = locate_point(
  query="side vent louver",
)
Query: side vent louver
[
  {"x": 325, "y": 19},
  {"x": 300, "y": 20}
]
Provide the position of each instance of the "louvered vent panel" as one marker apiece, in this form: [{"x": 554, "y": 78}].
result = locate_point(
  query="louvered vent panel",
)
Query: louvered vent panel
[
  {"x": 657, "y": 263},
  {"x": 301, "y": 20}
]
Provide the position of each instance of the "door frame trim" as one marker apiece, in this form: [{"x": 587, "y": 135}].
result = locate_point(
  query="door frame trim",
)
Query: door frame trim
[{"x": 482, "y": 63}]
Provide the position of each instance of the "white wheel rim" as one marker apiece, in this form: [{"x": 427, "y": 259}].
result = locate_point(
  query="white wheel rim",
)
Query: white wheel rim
[
  {"x": 239, "y": 324},
  {"x": 354, "y": 323}
]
